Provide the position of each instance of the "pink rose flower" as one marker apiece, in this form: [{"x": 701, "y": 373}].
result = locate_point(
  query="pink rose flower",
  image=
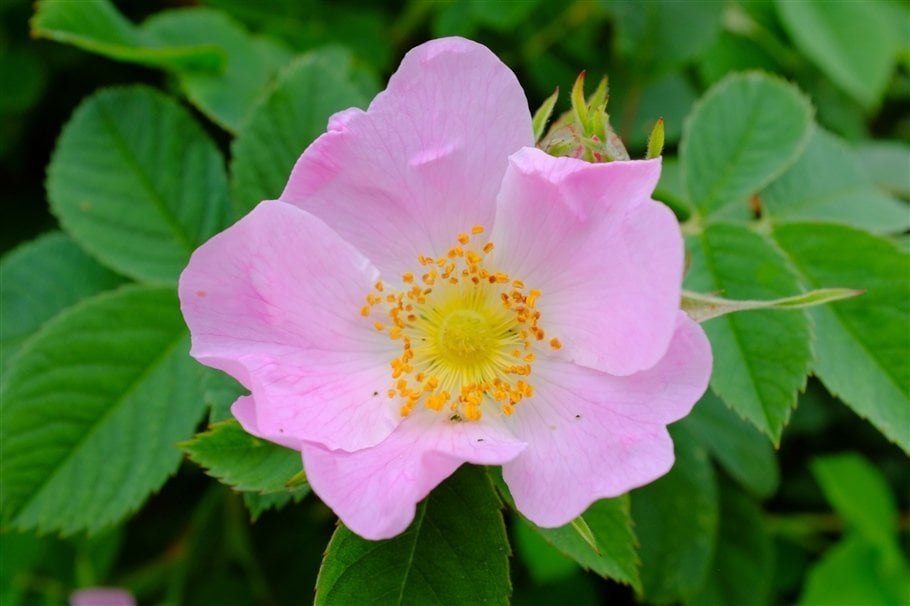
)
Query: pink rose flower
[{"x": 431, "y": 290}]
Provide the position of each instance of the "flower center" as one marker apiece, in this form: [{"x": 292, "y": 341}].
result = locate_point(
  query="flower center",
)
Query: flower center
[
  {"x": 464, "y": 337},
  {"x": 468, "y": 334}
]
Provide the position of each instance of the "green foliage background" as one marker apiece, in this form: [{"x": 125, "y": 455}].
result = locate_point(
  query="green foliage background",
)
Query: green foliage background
[{"x": 130, "y": 132}]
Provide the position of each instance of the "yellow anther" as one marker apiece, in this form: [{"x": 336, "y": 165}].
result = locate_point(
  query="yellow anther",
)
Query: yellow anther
[
  {"x": 477, "y": 229},
  {"x": 407, "y": 278},
  {"x": 518, "y": 284},
  {"x": 378, "y": 286},
  {"x": 529, "y": 358},
  {"x": 365, "y": 310},
  {"x": 463, "y": 238},
  {"x": 532, "y": 297},
  {"x": 488, "y": 247},
  {"x": 378, "y": 325},
  {"x": 555, "y": 343}
]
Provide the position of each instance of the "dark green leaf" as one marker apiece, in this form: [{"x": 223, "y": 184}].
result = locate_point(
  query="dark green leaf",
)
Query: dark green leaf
[
  {"x": 40, "y": 279},
  {"x": 743, "y": 567},
  {"x": 92, "y": 411},
  {"x": 137, "y": 183},
  {"x": 652, "y": 34},
  {"x": 293, "y": 113},
  {"x": 614, "y": 554},
  {"x": 455, "y": 552},
  {"x": 736, "y": 445},
  {"x": 761, "y": 358},
  {"x": 827, "y": 183},
  {"x": 862, "y": 345},
  {"x": 544, "y": 562},
  {"x": 241, "y": 460},
  {"x": 676, "y": 520},
  {"x": 745, "y": 131}
]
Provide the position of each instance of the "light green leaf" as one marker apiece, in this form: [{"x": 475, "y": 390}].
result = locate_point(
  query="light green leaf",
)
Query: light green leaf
[
  {"x": 243, "y": 461},
  {"x": 745, "y": 131},
  {"x": 225, "y": 96},
  {"x": 455, "y": 552},
  {"x": 702, "y": 308},
  {"x": 40, "y": 279},
  {"x": 291, "y": 115},
  {"x": 851, "y": 574},
  {"x": 761, "y": 358},
  {"x": 98, "y": 27},
  {"x": 828, "y": 183},
  {"x": 852, "y": 42},
  {"x": 542, "y": 115},
  {"x": 886, "y": 163},
  {"x": 743, "y": 567},
  {"x": 861, "y": 496},
  {"x": 862, "y": 345},
  {"x": 736, "y": 445},
  {"x": 92, "y": 411},
  {"x": 676, "y": 519},
  {"x": 137, "y": 183}
]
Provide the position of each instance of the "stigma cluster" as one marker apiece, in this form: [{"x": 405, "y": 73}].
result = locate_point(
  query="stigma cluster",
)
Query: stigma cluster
[{"x": 468, "y": 333}]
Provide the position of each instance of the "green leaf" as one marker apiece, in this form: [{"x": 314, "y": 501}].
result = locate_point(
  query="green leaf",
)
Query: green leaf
[
  {"x": 743, "y": 567},
  {"x": 732, "y": 53},
  {"x": 702, "y": 308},
  {"x": 545, "y": 563},
  {"x": 886, "y": 164},
  {"x": 98, "y": 27},
  {"x": 40, "y": 279},
  {"x": 608, "y": 545},
  {"x": 828, "y": 183},
  {"x": 761, "y": 358},
  {"x": 737, "y": 446},
  {"x": 542, "y": 115},
  {"x": 862, "y": 345},
  {"x": 660, "y": 35},
  {"x": 225, "y": 96},
  {"x": 850, "y": 574},
  {"x": 92, "y": 410},
  {"x": 861, "y": 496},
  {"x": 241, "y": 460},
  {"x": 258, "y": 504},
  {"x": 601, "y": 539},
  {"x": 288, "y": 118},
  {"x": 744, "y": 132},
  {"x": 455, "y": 552},
  {"x": 852, "y": 42},
  {"x": 137, "y": 183},
  {"x": 676, "y": 519}
]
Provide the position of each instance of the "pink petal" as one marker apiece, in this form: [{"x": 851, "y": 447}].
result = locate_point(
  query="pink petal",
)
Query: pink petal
[
  {"x": 102, "y": 596},
  {"x": 275, "y": 301},
  {"x": 424, "y": 162},
  {"x": 375, "y": 491},
  {"x": 607, "y": 260},
  {"x": 591, "y": 435}
]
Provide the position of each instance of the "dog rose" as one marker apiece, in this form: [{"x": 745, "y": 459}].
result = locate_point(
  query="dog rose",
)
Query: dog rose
[{"x": 430, "y": 290}]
